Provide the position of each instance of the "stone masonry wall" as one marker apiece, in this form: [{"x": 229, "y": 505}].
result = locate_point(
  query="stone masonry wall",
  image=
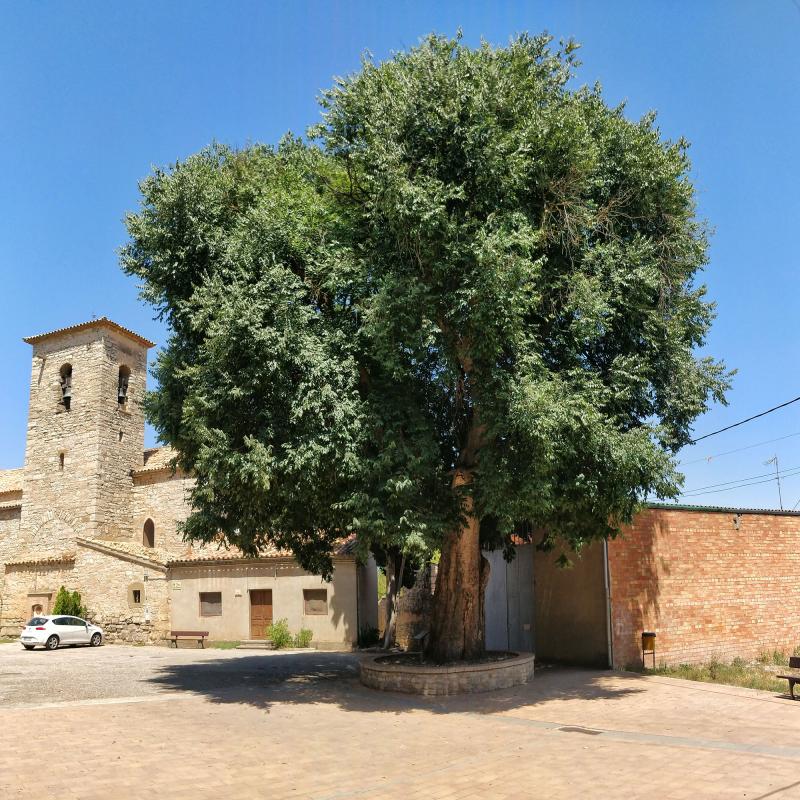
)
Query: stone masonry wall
[
  {"x": 76, "y": 482},
  {"x": 54, "y": 432},
  {"x": 25, "y": 584},
  {"x": 707, "y": 588},
  {"x": 9, "y": 530},
  {"x": 162, "y": 497},
  {"x": 121, "y": 435},
  {"x": 105, "y": 583},
  {"x": 79, "y": 461}
]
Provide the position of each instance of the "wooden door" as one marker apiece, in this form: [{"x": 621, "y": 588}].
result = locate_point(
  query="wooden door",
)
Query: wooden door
[{"x": 260, "y": 612}]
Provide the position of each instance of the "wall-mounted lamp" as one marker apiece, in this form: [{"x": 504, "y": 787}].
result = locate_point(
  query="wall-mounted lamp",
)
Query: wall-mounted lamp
[{"x": 737, "y": 521}]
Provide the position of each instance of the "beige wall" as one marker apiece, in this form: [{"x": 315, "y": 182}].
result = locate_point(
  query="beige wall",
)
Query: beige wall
[
  {"x": 284, "y": 578},
  {"x": 570, "y": 608}
]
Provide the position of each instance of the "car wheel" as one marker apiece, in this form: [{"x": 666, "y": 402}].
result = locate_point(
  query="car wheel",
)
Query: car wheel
[
  {"x": 96, "y": 639},
  {"x": 28, "y": 646},
  {"x": 52, "y": 642}
]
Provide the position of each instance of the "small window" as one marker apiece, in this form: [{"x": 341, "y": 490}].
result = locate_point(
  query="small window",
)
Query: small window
[
  {"x": 315, "y": 601},
  {"x": 65, "y": 379},
  {"x": 61, "y": 461},
  {"x": 135, "y": 595},
  {"x": 149, "y": 534},
  {"x": 122, "y": 385},
  {"x": 210, "y": 604}
]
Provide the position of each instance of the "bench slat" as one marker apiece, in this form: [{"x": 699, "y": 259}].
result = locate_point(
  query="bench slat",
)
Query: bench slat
[{"x": 200, "y": 636}]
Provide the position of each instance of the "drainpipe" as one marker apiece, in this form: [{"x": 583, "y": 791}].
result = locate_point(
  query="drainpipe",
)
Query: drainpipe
[
  {"x": 358, "y": 605},
  {"x": 607, "y": 581}
]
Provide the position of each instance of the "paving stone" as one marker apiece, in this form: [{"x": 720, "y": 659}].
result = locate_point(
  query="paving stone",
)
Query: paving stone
[{"x": 329, "y": 738}]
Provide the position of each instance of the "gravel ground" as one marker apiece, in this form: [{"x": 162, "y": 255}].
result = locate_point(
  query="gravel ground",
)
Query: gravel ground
[{"x": 82, "y": 673}]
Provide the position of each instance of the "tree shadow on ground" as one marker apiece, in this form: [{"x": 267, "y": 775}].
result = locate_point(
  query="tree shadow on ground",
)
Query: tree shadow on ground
[{"x": 332, "y": 678}]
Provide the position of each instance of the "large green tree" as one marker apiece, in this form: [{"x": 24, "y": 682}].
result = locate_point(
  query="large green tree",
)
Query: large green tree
[{"x": 468, "y": 302}]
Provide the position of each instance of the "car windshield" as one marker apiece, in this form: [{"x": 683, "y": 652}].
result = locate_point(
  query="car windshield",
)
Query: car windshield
[{"x": 37, "y": 621}]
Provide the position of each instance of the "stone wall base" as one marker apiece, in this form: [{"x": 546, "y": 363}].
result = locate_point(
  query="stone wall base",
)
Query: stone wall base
[{"x": 457, "y": 679}]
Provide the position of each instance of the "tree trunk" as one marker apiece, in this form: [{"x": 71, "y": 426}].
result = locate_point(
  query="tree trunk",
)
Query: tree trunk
[
  {"x": 457, "y": 627},
  {"x": 395, "y": 566}
]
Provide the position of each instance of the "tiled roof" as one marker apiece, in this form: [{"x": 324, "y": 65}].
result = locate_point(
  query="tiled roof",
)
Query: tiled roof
[
  {"x": 154, "y": 554},
  {"x": 42, "y": 558},
  {"x": 344, "y": 547},
  {"x": 156, "y": 459},
  {"x": 5, "y": 505},
  {"x": 100, "y": 322},
  {"x": 10, "y": 480}
]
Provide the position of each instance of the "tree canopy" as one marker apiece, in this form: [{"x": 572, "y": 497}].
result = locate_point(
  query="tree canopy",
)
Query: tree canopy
[{"x": 469, "y": 269}]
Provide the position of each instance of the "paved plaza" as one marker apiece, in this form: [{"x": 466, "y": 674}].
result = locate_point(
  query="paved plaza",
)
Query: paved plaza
[{"x": 123, "y": 722}]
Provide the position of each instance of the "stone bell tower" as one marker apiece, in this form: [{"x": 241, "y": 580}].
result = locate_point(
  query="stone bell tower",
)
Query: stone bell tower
[{"x": 85, "y": 434}]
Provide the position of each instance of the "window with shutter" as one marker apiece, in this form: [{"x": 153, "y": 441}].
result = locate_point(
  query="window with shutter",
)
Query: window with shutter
[
  {"x": 315, "y": 601},
  {"x": 210, "y": 604}
]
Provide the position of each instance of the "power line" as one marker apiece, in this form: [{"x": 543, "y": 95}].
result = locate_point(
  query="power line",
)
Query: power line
[
  {"x": 749, "y": 419},
  {"x": 740, "y": 486},
  {"x": 737, "y": 450},
  {"x": 740, "y": 480}
]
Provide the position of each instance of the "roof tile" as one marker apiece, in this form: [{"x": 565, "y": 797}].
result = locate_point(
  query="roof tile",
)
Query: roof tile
[{"x": 100, "y": 322}]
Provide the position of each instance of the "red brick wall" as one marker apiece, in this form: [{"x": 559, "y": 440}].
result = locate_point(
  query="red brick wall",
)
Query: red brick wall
[{"x": 706, "y": 588}]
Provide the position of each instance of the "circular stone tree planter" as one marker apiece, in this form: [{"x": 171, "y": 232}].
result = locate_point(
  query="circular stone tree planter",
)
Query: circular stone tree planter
[{"x": 385, "y": 673}]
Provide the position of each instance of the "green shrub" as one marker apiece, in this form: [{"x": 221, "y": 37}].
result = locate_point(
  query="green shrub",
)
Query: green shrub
[
  {"x": 63, "y": 599},
  {"x": 69, "y": 603},
  {"x": 775, "y": 657},
  {"x": 369, "y": 637},
  {"x": 280, "y": 635},
  {"x": 303, "y": 638}
]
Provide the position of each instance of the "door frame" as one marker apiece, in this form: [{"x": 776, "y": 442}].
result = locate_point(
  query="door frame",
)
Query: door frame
[{"x": 45, "y": 599}]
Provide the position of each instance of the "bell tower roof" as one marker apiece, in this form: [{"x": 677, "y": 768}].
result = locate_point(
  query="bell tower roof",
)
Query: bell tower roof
[{"x": 100, "y": 322}]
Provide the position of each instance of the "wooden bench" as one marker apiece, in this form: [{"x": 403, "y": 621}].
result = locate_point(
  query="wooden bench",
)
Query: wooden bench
[
  {"x": 200, "y": 636},
  {"x": 794, "y": 676}
]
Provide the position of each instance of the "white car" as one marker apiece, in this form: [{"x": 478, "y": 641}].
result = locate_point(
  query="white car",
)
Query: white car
[{"x": 58, "y": 629}]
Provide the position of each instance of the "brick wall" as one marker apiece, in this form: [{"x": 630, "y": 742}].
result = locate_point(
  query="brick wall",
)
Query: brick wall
[{"x": 706, "y": 588}]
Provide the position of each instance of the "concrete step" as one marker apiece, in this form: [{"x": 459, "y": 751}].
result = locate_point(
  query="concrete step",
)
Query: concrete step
[{"x": 254, "y": 644}]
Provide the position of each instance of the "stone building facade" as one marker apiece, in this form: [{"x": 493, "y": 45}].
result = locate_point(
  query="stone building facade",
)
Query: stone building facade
[{"x": 93, "y": 510}]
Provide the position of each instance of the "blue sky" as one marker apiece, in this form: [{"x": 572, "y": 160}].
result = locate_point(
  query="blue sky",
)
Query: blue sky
[{"x": 93, "y": 94}]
